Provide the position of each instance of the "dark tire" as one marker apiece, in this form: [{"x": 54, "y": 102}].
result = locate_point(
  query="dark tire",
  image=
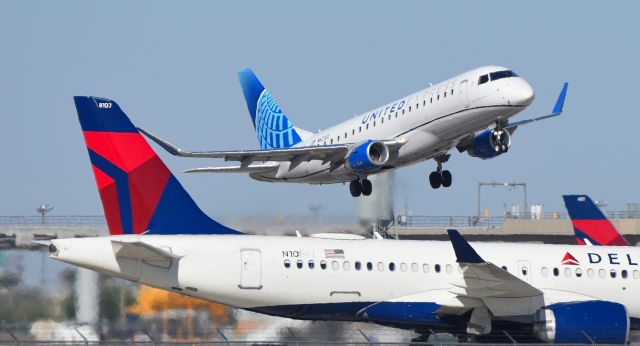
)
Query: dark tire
[
  {"x": 435, "y": 180},
  {"x": 355, "y": 188},
  {"x": 447, "y": 178},
  {"x": 367, "y": 187}
]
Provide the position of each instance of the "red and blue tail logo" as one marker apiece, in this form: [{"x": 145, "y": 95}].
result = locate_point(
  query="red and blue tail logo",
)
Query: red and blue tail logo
[
  {"x": 590, "y": 223},
  {"x": 138, "y": 192}
]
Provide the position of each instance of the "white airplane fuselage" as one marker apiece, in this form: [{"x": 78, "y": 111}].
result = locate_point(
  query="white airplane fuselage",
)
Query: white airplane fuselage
[
  {"x": 431, "y": 121},
  {"x": 249, "y": 272}
]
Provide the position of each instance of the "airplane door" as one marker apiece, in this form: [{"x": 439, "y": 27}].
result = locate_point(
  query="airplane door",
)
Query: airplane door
[
  {"x": 524, "y": 270},
  {"x": 463, "y": 96},
  {"x": 250, "y": 269}
]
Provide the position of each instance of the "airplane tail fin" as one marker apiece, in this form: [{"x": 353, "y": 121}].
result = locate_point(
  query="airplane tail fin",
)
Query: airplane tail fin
[
  {"x": 273, "y": 128},
  {"x": 590, "y": 223},
  {"x": 138, "y": 192}
]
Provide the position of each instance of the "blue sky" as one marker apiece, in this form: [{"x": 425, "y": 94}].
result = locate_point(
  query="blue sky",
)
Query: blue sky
[{"x": 172, "y": 67}]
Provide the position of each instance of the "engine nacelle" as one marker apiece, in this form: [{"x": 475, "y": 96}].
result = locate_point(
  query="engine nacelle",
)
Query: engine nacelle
[
  {"x": 368, "y": 156},
  {"x": 596, "y": 321},
  {"x": 490, "y": 143}
]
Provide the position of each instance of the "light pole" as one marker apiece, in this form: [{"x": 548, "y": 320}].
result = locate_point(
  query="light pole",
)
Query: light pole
[
  {"x": 508, "y": 185},
  {"x": 43, "y": 209}
]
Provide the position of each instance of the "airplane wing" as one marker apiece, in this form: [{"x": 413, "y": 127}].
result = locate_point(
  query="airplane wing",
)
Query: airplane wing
[
  {"x": 557, "y": 110},
  {"x": 500, "y": 292},
  {"x": 327, "y": 153}
]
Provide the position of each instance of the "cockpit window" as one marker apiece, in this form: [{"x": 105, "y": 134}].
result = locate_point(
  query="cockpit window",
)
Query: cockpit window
[
  {"x": 502, "y": 74},
  {"x": 483, "y": 79}
]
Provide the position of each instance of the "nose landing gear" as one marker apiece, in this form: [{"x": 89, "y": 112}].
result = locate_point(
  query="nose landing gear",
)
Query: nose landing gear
[
  {"x": 440, "y": 177},
  {"x": 360, "y": 187}
]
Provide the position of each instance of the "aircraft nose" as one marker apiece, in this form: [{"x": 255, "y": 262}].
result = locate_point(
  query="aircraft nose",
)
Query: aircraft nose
[{"x": 523, "y": 94}]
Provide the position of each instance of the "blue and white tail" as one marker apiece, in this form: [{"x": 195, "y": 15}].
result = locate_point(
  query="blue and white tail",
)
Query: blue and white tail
[{"x": 273, "y": 128}]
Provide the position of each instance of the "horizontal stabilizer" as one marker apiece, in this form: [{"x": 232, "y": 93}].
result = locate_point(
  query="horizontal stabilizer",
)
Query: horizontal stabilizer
[{"x": 139, "y": 250}]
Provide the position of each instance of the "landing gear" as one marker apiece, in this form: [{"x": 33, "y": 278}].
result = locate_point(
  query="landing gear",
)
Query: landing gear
[
  {"x": 360, "y": 187},
  {"x": 439, "y": 177}
]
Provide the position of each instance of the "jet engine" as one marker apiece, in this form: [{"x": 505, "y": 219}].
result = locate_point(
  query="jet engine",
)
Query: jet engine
[
  {"x": 588, "y": 322},
  {"x": 490, "y": 143},
  {"x": 368, "y": 156}
]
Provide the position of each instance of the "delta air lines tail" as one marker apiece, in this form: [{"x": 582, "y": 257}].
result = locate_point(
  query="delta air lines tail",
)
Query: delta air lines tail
[
  {"x": 590, "y": 224},
  {"x": 138, "y": 192}
]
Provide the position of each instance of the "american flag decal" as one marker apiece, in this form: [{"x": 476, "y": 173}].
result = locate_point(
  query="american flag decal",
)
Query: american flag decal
[{"x": 333, "y": 253}]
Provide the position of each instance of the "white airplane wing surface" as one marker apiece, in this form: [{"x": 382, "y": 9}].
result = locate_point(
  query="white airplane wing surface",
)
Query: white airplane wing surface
[
  {"x": 501, "y": 293},
  {"x": 334, "y": 154}
]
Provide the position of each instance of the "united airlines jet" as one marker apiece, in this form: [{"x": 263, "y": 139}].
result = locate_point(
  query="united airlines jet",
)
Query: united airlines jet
[
  {"x": 469, "y": 112},
  {"x": 159, "y": 237}
]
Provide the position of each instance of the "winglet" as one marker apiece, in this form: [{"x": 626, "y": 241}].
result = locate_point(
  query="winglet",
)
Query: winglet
[
  {"x": 464, "y": 252},
  {"x": 172, "y": 149},
  {"x": 560, "y": 102}
]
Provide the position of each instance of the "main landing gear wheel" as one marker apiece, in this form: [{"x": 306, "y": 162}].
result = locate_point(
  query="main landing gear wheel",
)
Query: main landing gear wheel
[
  {"x": 439, "y": 177},
  {"x": 447, "y": 178},
  {"x": 367, "y": 187},
  {"x": 360, "y": 187},
  {"x": 435, "y": 179},
  {"x": 355, "y": 188}
]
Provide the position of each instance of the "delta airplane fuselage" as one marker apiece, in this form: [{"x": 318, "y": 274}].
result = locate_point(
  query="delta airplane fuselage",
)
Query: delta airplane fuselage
[
  {"x": 431, "y": 122},
  {"x": 327, "y": 279}
]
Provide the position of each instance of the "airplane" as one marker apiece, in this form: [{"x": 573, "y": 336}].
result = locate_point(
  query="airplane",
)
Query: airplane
[
  {"x": 590, "y": 225},
  {"x": 425, "y": 125},
  {"x": 161, "y": 238}
]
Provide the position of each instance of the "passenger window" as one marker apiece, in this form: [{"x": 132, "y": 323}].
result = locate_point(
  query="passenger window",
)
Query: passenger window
[
  {"x": 369, "y": 266},
  {"x": 590, "y": 273},
  {"x": 602, "y": 273},
  {"x": 367, "y": 126},
  {"x": 404, "y": 267},
  {"x": 392, "y": 266},
  {"x": 431, "y": 100},
  {"x": 338, "y": 138},
  {"x": 359, "y": 128},
  {"x": 483, "y": 79},
  {"x": 312, "y": 264},
  {"x": 403, "y": 112},
  {"x": 556, "y": 272},
  {"x": 437, "y": 268},
  {"x": 445, "y": 94},
  {"x": 451, "y": 92},
  {"x": 299, "y": 264},
  {"x": 417, "y": 105},
  {"x": 424, "y": 102},
  {"x": 335, "y": 265},
  {"x": 438, "y": 98},
  {"x": 389, "y": 116},
  {"x": 331, "y": 140},
  {"x": 414, "y": 267},
  {"x": 353, "y": 132},
  {"x": 346, "y": 265},
  {"x": 448, "y": 268},
  {"x": 578, "y": 272},
  {"x": 612, "y": 273},
  {"x": 323, "y": 265},
  {"x": 380, "y": 266},
  {"x": 425, "y": 268},
  {"x": 382, "y": 120},
  {"x": 287, "y": 263},
  {"x": 544, "y": 271},
  {"x": 567, "y": 272},
  {"x": 396, "y": 114},
  {"x": 409, "y": 108},
  {"x": 623, "y": 274},
  {"x": 358, "y": 265}
]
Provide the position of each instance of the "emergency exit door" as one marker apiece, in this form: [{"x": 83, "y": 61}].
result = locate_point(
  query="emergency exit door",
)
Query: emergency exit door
[{"x": 250, "y": 269}]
